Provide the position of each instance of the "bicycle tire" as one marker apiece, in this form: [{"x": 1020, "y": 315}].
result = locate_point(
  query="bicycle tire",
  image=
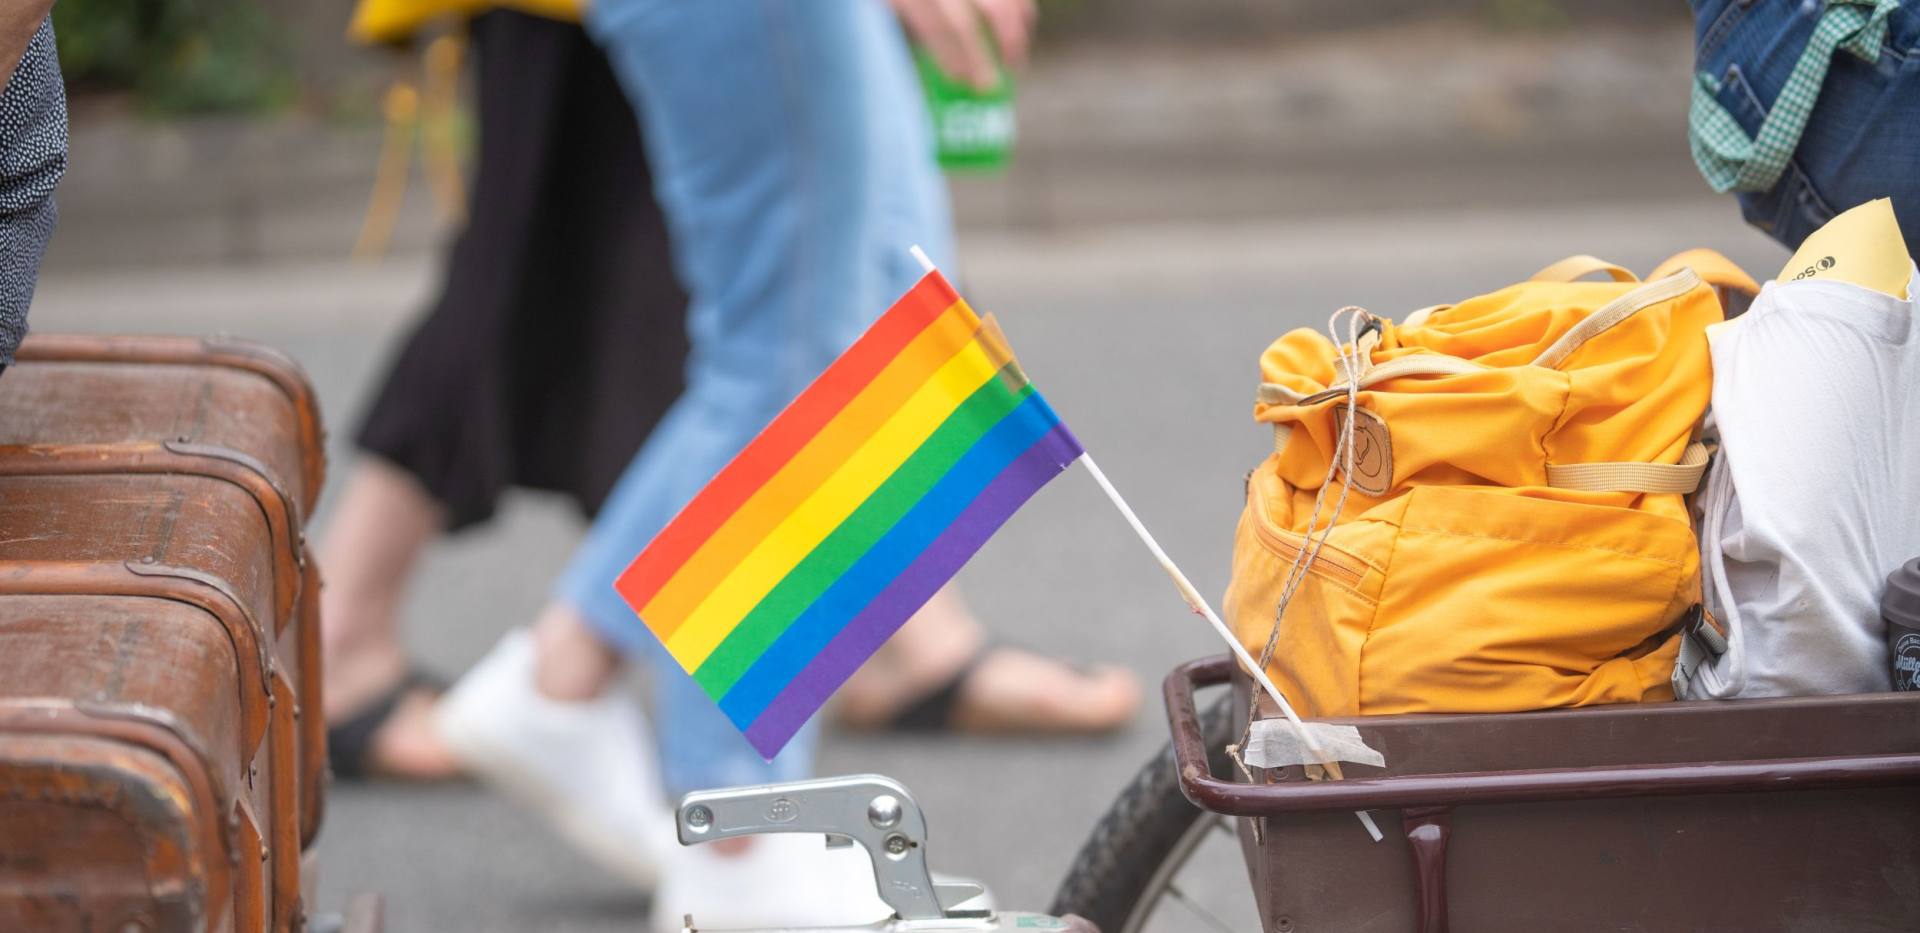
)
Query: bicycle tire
[{"x": 1108, "y": 879}]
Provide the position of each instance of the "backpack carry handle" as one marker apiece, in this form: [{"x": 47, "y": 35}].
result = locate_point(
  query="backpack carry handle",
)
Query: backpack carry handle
[
  {"x": 1575, "y": 268},
  {"x": 1712, "y": 267}
]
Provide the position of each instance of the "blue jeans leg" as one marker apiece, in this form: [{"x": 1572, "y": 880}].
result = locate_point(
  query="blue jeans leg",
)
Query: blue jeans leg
[
  {"x": 1862, "y": 140},
  {"x": 793, "y": 161}
]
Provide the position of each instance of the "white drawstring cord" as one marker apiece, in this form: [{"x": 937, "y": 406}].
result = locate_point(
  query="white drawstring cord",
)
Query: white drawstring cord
[{"x": 1354, "y": 362}]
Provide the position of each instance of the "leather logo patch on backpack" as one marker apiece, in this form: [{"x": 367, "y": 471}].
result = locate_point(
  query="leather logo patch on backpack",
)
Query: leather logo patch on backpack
[{"x": 1372, "y": 451}]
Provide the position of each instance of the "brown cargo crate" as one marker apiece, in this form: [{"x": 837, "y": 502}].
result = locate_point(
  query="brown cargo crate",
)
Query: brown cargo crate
[{"x": 1783, "y": 814}]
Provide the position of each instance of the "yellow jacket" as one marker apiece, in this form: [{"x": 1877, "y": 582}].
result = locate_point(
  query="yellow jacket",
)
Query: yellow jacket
[{"x": 382, "y": 21}]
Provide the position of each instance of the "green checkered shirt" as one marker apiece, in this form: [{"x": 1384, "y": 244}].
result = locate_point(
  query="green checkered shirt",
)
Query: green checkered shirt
[{"x": 1733, "y": 161}]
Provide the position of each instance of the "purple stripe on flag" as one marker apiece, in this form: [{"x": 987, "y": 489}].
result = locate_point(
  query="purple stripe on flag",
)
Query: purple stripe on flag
[{"x": 908, "y": 592}]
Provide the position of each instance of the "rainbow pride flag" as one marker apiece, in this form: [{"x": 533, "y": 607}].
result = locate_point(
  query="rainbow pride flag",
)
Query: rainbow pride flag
[{"x": 847, "y": 513}]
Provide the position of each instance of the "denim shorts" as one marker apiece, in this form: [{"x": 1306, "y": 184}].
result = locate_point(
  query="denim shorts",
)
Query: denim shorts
[{"x": 1863, "y": 139}]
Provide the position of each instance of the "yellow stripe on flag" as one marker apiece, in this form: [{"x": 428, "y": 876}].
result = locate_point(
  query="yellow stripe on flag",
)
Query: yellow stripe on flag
[
  {"x": 829, "y": 505},
  {"x": 769, "y": 505}
]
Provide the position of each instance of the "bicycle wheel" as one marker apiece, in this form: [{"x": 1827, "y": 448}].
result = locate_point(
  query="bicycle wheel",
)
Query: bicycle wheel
[{"x": 1129, "y": 866}]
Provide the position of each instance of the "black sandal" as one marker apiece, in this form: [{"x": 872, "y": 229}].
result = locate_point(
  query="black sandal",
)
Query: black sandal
[
  {"x": 934, "y": 712},
  {"x": 350, "y": 741}
]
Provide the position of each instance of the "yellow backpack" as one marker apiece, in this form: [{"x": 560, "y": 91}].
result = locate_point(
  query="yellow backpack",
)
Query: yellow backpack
[{"x": 1504, "y": 527}]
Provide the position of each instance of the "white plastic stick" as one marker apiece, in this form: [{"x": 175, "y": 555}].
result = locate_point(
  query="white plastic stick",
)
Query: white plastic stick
[{"x": 1199, "y": 605}]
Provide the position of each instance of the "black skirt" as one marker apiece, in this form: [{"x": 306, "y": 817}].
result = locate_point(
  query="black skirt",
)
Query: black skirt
[{"x": 559, "y": 337}]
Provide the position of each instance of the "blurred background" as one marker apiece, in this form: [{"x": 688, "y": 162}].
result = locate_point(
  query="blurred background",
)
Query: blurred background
[{"x": 1192, "y": 179}]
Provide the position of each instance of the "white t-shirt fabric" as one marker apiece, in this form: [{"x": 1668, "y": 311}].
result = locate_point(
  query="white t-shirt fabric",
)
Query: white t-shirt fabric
[{"x": 1814, "y": 497}]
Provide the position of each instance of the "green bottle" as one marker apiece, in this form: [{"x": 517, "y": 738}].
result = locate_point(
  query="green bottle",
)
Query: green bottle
[{"x": 973, "y": 130}]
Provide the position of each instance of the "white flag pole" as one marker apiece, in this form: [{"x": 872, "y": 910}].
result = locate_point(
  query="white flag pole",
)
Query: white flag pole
[{"x": 1199, "y": 605}]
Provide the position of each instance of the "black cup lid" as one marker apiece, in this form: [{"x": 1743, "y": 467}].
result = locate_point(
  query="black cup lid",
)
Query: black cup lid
[{"x": 1902, "y": 600}]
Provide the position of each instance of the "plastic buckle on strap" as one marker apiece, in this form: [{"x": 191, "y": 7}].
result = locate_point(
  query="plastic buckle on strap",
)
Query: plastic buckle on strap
[
  {"x": 1701, "y": 640},
  {"x": 1707, "y": 628}
]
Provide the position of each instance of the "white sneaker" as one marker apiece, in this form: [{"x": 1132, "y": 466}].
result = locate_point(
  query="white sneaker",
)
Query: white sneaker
[
  {"x": 587, "y": 768},
  {"x": 784, "y": 880}
]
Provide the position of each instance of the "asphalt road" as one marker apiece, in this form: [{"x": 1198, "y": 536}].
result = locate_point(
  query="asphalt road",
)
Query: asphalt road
[{"x": 1144, "y": 337}]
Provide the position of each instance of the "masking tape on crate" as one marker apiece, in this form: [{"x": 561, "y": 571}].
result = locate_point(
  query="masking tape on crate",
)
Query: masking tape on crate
[{"x": 1275, "y": 743}]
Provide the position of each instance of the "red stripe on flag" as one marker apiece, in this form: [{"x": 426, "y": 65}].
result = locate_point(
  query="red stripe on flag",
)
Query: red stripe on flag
[{"x": 790, "y": 431}]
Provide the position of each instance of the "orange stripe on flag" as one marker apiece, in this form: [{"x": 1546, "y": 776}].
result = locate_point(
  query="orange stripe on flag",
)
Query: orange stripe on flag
[
  {"x": 808, "y": 470},
  {"x": 804, "y": 417}
]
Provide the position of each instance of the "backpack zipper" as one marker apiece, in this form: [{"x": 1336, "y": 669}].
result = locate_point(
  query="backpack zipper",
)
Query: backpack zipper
[{"x": 1326, "y": 563}]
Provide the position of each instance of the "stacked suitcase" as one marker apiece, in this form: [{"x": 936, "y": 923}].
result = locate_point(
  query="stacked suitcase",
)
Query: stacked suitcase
[{"x": 162, "y": 751}]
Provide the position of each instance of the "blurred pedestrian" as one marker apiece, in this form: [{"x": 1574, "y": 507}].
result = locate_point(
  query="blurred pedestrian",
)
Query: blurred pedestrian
[
  {"x": 794, "y": 164},
  {"x": 33, "y": 156},
  {"x": 555, "y": 345}
]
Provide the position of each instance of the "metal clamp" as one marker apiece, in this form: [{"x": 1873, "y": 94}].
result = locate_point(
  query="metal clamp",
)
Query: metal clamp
[{"x": 871, "y": 809}]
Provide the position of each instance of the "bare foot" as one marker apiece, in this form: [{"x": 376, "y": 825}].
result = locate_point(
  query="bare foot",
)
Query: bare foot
[
  {"x": 408, "y": 748},
  {"x": 1004, "y": 690},
  {"x": 385, "y": 519},
  {"x": 572, "y": 663},
  {"x": 1011, "y": 691}
]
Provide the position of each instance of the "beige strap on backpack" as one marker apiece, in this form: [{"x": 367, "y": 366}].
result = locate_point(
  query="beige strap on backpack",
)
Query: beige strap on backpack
[
  {"x": 1575, "y": 268},
  {"x": 1673, "y": 278},
  {"x": 1711, "y": 267},
  {"x": 1682, "y": 477},
  {"x": 1273, "y": 393},
  {"x": 1417, "y": 364},
  {"x": 1615, "y": 311},
  {"x": 1419, "y": 318}
]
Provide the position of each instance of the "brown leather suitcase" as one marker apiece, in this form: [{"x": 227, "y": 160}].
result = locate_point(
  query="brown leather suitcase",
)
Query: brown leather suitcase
[
  {"x": 123, "y": 801},
  {"x": 211, "y": 399},
  {"x": 87, "y": 388},
  {"x": 1798, "y": 814},
  {"x": 143, "y": 589}
]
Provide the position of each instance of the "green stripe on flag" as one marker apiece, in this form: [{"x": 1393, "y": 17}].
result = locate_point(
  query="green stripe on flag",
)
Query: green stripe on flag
[{"x": 868, "y": 523}]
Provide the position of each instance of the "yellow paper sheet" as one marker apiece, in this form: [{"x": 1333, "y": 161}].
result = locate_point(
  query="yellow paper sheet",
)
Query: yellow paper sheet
[{"x": 1862, "y": 246}]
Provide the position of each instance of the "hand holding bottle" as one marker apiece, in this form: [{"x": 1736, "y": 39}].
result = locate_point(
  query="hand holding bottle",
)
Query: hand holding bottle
[{"x": 951, "y": 31}]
